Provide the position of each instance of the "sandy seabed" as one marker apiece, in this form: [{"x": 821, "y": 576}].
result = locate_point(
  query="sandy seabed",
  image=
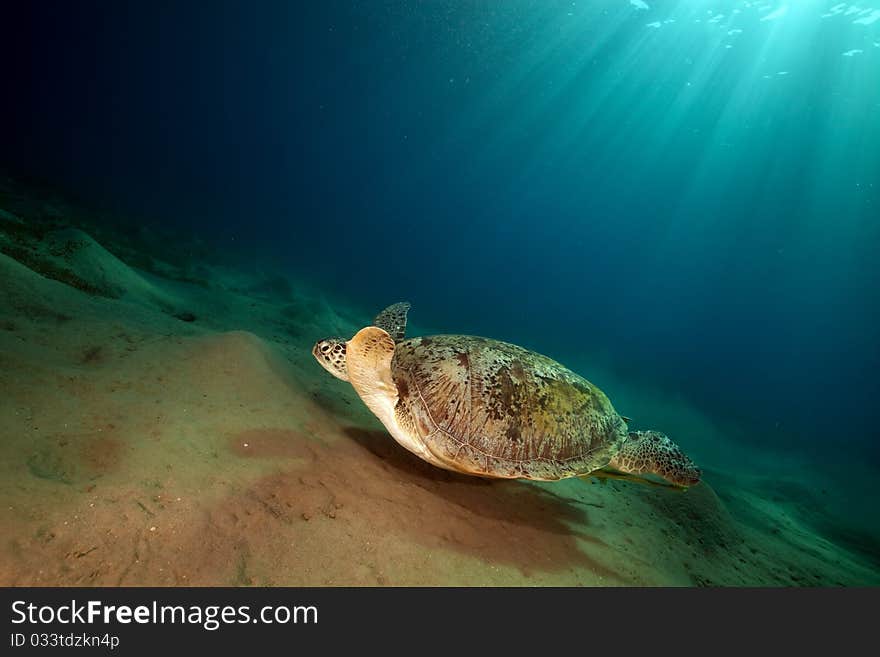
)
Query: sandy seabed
[{"x": 162, "y": 426}]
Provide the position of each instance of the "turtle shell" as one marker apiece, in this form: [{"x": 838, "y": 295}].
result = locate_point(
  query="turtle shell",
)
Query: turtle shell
[{"x": 491, "y": 408}]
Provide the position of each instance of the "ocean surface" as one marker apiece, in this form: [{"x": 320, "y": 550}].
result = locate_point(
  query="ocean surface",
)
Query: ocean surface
[{"x": 678, "y": 200}]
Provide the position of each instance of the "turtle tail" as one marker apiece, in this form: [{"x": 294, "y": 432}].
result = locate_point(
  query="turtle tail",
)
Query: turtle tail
[{"x": 651, "y": 452}]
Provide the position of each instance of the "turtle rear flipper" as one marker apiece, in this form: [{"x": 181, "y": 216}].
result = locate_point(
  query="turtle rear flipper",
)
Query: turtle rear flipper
[
  {"x": 653, "y": 453},
  {"x": 392, "y": 320}
]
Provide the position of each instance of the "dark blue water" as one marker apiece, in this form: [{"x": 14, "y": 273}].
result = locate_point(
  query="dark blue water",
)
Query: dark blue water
[{"x": 585, "y": 178}]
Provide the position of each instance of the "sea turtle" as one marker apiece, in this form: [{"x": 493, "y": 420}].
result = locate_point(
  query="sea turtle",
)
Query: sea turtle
[{"x": 488, "y": 408}]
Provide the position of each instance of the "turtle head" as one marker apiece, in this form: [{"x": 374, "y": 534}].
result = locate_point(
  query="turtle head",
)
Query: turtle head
[
  {"x": 330, "y": 354},
  {"x": 653, "y": 453}
]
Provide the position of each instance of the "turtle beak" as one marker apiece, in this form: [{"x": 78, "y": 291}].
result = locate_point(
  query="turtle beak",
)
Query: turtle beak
[
  {"x": 316, "y": 350},
  {"x": 688, "y": 473}
]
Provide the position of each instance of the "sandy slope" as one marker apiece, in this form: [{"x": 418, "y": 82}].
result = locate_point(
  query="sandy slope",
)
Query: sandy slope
[{"x": 140, "y": 448}]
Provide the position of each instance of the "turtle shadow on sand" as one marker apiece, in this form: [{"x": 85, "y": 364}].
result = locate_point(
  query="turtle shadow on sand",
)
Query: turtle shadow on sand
[
  {"x": 340, "y": 404},
  {"x": 701, "y": 519},
  {"x": 500, "y": 521}
]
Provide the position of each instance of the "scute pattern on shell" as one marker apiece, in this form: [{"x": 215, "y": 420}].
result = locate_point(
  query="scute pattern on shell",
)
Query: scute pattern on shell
[{"x": 489, "y": 407}]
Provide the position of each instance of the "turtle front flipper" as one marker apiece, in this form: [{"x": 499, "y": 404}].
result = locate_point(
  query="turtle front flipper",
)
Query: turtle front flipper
[
  {"x": 368, "y": 361},
  {"x": 369, "y": 357},
  {"x": 392, "y": 320},
  {"x": 653, "y": 453},
  {"x": 330, "y": 352}
]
